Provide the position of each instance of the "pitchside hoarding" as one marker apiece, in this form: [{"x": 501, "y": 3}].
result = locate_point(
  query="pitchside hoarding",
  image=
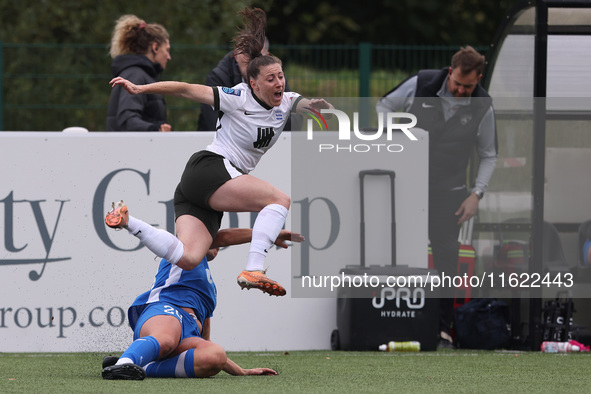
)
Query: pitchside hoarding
[{"x": 67, "y": 279}]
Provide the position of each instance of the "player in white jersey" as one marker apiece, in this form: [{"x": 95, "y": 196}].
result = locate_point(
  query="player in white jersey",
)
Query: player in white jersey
[
  {"x": 248, "y": 127},
  {"x": 170, "y": 322},
  {"x": 216, "y": 180}
]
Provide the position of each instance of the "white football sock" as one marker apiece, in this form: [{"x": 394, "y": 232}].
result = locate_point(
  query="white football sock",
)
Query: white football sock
[
  {"x": 160, "y": 242},
  {"x": 265, "y": 230}
]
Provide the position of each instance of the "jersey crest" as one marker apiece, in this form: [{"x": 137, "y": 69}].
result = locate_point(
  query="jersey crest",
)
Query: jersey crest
[{"x": 235, "y": 92}]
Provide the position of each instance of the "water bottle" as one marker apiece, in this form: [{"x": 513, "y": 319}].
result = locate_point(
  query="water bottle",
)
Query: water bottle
[
  {"x": 558, "y": 347},
  {"x": 407, "y": 346}
]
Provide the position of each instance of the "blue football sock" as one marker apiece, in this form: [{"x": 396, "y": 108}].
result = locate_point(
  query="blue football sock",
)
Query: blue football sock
[
  {"x": 141, "y": 351},
  {"x": 180, "y": 366}
]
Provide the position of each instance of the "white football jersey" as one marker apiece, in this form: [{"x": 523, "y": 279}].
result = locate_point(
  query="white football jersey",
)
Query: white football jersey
[{"x": 248, "y": 127}]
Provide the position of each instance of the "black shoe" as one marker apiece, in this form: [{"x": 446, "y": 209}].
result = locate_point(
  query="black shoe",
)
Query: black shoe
[
  {"x": 124, "y": 372},
  {"x": 445, "y": 344},
  {"x": 109, "y": 360},
  {"x": 445, "y": 341}
]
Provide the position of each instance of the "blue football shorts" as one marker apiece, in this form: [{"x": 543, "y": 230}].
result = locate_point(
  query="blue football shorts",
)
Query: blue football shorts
[{"x": 188, "y": 321}]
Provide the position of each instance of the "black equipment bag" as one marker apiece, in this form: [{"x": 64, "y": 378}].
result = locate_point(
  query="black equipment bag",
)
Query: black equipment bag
[{"x": 482, "y": 323}]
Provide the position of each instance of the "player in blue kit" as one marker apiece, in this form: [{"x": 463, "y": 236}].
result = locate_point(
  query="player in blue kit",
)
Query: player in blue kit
[
  {"x": 217, "y": 180},
  {"x": 170, "y": 322}
]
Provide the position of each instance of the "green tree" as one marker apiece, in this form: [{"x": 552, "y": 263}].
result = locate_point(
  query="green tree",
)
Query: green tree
[
  {"x": 52, "y": 78},
  {"x": 289, "y": 21},
  {"x": 92, "y": 21},
  {"x": 387, "y": 21}
]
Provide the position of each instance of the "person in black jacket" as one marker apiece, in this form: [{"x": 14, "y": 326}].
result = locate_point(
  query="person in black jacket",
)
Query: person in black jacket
[
  {"x": 456, "y": 111},
  {"x": 140, "y": 52},
  {"x": 229, "y": 72}
]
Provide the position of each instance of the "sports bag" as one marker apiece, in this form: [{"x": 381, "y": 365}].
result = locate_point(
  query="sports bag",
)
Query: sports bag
[{"x": 482, "y": 323}]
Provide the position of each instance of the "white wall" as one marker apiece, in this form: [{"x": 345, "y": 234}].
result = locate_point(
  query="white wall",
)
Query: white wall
[{"x": 67, "y": 280}]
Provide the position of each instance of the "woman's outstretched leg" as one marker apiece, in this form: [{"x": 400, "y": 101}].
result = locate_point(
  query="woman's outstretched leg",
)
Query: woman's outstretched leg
[
  {"x": 160, "y": 242},
  {"x": 249, "y": 194},
  {"x": 265, "y": 230},
  {"x": 186, "y": 252}
]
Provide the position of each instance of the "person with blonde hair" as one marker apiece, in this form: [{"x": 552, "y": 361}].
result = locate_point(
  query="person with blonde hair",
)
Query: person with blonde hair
[
  {"x": 216, "y": 179},
  {"x": 140, "y": 52}
]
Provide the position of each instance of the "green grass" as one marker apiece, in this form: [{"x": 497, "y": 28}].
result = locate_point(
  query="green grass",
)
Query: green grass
[{"x": 446, "y": 371}]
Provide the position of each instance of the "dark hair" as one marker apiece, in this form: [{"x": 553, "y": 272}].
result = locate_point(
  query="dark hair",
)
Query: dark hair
[
  {"x": 250, "y": 41},
  {"x": 468, "y": 59}
]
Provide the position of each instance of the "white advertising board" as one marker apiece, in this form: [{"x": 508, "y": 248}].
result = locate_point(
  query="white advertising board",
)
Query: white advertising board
[{"x": 66, "y": 280}]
